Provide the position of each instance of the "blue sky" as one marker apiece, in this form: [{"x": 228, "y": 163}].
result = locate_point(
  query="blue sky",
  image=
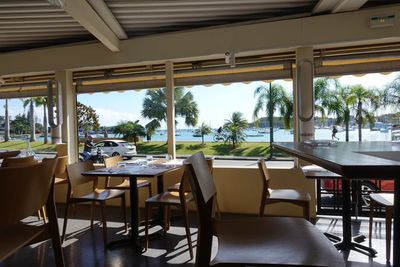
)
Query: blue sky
[{"x": 216, "y": 102}]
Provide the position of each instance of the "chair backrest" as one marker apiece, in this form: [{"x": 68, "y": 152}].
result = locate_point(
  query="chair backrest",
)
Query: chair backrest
[
  {"x": 185, "y": 185},
  {"x": 265, "y": 177},
  {"x": 24, "y": 190},
  {"x": 9, "y": 154},
  {"x": 204, "y": 191},
  {"x": 61, "y": 166},
  {"x": 112, "y": 161},
  {"x": 19, "y": 162},
  {"x": 75, "y": 171}
]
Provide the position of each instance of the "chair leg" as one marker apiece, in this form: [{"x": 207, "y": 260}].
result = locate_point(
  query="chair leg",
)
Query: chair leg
[
  {"x": 166, "y": 218},
  {"x": 262, "y": 206},
  {"x": 65, "y": 222},
  {"x": 185, "y": 212},
  {"x": 123, "y": 204},
  {"x": 150, "y": 193},
  {"x": 389, "y": 215},
  {"x": 217, "y": 208},
  {"x": 44, "y": 214},
  {"x": 306, "y": 210},
  {"x": 371, "y": 217},
  {"x": 104, "y": 222},
  {"x": 92, "y": 207},
  {"x": 39, "y": 214},
  {"x": 146, "y": 226},
  {"x": 54, "y": 234}
]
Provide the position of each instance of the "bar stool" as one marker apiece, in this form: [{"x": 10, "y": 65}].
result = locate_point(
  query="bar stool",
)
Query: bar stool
[{"x": 386, "y": 200}]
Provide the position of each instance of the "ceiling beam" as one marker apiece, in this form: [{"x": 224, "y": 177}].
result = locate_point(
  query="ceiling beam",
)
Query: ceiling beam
[
  {"x": 85, "y": 15},
  {"x": 350, "y": 29},
  {"x": 348, "y": 5},
  {"x": 337, "y": 6},
  {"x": 105, "y": 13}
]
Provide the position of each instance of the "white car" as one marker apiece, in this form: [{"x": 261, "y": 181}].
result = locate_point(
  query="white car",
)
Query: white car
[{"x": 117, "y": 147}]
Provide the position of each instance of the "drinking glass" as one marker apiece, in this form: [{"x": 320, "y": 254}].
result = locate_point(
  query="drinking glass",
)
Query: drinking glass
[{"x": 149, "y": 158}]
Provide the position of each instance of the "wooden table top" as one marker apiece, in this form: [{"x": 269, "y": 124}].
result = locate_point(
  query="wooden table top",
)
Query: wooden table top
[{"x": 379, "y": 160}]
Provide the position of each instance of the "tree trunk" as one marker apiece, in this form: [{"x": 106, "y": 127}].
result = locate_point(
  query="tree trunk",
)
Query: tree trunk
[
  {"x": 45, "y": 130},
  {"x": 359, "y": 120},
  {"x": 32, "y": 121},
  {"x": 6, "y": 123},
  {"x": 271, "y": 116},
  {"x": 202, "y": 138},
  {"x": 271, "y": 121}
]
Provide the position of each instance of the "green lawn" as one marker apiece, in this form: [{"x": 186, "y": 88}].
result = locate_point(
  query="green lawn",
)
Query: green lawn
[
  {"x": 188, "y": 148},
  {"x": 20, "y": 144},
  {"x": 156, "y": 148}
]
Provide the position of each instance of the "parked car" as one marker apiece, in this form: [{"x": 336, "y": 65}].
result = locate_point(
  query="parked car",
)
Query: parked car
[{"x": 117, "y": 147}]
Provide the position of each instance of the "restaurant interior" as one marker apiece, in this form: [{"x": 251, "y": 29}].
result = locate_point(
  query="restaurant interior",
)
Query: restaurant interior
[{"x": 62, "y": 212}]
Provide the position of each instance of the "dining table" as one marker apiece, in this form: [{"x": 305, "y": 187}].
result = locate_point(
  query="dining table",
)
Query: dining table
[
  {"x": 134, "y": 170},
  {"x": 378, "y": 160}
]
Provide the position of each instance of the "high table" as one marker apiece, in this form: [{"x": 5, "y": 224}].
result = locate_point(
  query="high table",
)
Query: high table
[
  {"x": 133, "y": 171},
  {"x": 356, "y": 160}
]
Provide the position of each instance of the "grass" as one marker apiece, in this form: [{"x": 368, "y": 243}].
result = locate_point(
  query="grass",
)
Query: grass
[
  {"x": 38, "y": 146},
  {"x": 247, "y": 149},
  {"x": 187, "y": 148}
]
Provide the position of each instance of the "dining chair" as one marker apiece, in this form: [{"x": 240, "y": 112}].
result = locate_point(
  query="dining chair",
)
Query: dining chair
[
  {"x": 384, "y": 200},
  {"x": 21, "y": 162},
  {"x": 271, "y": 196},
  {"x": 272, "y": 241},
  {"x": 140, "y": 183},
  {"x": 25, "y": 189},
  {"x": 9, "y": 154},
  {"x": 180, "y": 200},
  {"x": 76, "y": 179},
  {"x": 175, "y": 187},
  {"x": 18, "y": 162}
]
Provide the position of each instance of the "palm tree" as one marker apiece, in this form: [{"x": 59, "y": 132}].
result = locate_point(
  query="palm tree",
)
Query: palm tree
[
  {"x": 322, "y": 95},
  {"x": 270, "y": 99},
  {"x": 340, "y": 104},
  {"x": 155, "y": 106},
  {"x": 391, "y": 93},
  {"x": 6, "y": 123},
  {"x": 235, "y": 127},
  {"x": 130, "y": 130},
  {"x": 42, "y": 101},
  {"x": 363, "y": 95},
  {"x": 203, "y": 130},
  {"x": 151, "y": 128},
  {"x": 30, "y": 102}
]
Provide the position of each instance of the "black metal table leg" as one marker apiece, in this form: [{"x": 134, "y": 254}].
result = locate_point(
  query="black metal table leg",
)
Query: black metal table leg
[
  {"x": 396, "y": 223},
  {"x": 134, "y": 235},
  {"x": 347, "y": 243}
]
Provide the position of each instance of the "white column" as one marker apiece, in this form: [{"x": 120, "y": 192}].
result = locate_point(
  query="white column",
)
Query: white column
[
  {"x": 169, "y": 79},
  {"x": 304, "y": 94},
  {"x": 69, "y": 128}
]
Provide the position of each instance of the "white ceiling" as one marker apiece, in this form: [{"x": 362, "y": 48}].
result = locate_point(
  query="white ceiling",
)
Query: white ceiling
[{"x": 26, "y": 24}]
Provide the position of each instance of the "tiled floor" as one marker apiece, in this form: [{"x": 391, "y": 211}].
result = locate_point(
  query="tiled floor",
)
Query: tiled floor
[{"x": 84, "y": 247}]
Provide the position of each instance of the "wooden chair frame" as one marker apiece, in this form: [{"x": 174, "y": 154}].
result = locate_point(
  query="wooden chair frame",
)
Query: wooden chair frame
[
  {"x": 268, "y": 197},
  {"x": 36, "y": 184},
  {"x": 75, "y": 178},
  {"x": 253, "y": 241}
]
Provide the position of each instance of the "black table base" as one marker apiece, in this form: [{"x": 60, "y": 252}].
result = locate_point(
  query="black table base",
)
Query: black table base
[{"x": 347, "y": 242}]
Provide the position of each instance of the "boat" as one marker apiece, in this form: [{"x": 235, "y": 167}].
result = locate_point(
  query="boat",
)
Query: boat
[{"x": 254, "y": 135}]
